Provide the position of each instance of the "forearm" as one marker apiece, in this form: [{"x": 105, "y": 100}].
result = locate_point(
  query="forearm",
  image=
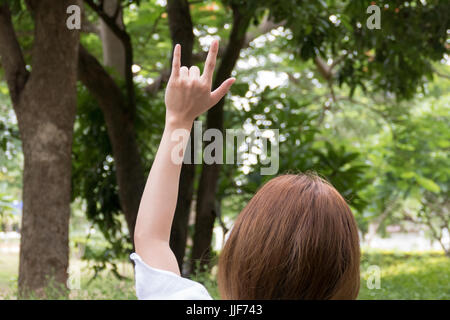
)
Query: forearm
[
  {"x": 159, "y": 199},
  {"x": 188, "y": 95}
]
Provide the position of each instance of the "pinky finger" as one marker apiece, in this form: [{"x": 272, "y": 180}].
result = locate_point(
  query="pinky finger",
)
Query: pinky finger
[{"x": 221, "y": 91}]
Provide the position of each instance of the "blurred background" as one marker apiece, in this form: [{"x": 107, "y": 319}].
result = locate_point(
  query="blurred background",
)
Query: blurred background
[{"x": 82, "y": 111}]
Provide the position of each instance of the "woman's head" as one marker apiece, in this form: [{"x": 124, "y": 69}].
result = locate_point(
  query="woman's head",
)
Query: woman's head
[{"x": 295, "y": 239}]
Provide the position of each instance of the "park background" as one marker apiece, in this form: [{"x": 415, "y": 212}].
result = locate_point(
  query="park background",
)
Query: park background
[{"x": 82, "y": 112}]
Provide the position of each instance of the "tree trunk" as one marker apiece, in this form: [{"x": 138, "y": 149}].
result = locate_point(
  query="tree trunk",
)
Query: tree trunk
[
  {"x": 181, "y": 31},
  {"x": 206, "y": 196},
  {"x": 113, "y": 50},
  {"x": 179, "y": 231},
  {"x": 45, "y": 106}
]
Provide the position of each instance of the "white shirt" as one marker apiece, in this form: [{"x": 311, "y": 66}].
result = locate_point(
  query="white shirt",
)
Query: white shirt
[{"x": 157, "y": 284}]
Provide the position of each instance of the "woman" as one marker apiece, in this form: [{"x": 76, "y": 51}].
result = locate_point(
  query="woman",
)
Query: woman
[{"x": 296, "y": 238}]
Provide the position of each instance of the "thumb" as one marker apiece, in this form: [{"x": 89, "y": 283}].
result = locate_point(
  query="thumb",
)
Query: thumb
[{"x": 218, "y": 94}]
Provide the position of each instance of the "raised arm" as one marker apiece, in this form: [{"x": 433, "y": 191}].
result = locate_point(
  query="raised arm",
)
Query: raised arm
[{"x": 188, "y": 95}]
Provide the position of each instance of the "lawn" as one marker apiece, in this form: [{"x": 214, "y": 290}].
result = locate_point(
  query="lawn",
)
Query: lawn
[
  {"x": 406, "y": 275},
  {"x": 403, "y": 275},
  {"x": 105, "y": 286},
  {"x": 9, "y": 268}
]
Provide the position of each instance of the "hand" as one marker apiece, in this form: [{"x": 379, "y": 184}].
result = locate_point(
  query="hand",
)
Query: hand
[{"x": 188, "y": 93}]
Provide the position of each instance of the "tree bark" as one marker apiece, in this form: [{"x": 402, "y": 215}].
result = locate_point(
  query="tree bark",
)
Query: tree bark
[
  {"x": 206, "y": 196},
  {"x": 181, "y": 31},
  {"x": 45, "y": 105},
  {"x": 113, "y": 50},
  {"x": 118, "y": 29}
]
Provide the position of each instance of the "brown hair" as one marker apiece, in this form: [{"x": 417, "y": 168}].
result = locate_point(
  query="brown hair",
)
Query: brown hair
[{"x": 296, "y": 239}]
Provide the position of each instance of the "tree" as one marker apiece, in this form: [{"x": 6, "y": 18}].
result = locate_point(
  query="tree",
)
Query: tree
[
  {"x": 405, "y": 145},
  {"x": 44, "y": 100},
  {"x": 419, "y": 167}
]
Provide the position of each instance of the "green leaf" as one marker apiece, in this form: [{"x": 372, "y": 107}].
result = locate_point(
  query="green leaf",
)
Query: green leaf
[
  {"x": 428, "y": 184},
  {"x": 408, "y": 175}
]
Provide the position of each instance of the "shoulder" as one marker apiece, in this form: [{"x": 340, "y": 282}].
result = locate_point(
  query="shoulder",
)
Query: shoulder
[{"x": 157, "y": 284}]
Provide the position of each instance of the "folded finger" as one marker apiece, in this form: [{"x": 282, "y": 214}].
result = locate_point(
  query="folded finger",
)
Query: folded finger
[{"x": 194, "y": 72}]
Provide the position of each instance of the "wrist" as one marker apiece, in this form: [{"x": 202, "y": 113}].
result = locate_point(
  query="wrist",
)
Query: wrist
[{"x": 176, "y": 122}]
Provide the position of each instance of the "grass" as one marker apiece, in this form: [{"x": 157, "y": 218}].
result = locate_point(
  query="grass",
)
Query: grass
[
  {"x": 403, "y": 275},
  {"x": 406, "y": 275},
  {"x": 84, "y": 287},
  {"x": 9, "y": 268}
]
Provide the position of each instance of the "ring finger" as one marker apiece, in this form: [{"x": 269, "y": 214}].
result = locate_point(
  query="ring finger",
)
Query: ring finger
[{"x": 194, "y": 72}]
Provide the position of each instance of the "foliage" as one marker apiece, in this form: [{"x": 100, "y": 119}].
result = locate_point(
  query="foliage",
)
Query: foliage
[
  {"x": 300, "y": 147},
  {"x": 405, "y": 145},
  {"x": 10, "y": 165},
  {"x": 93, "y": 179},
  {"x": 422, "y": 143},
  {"x": 392, "y": 59}
]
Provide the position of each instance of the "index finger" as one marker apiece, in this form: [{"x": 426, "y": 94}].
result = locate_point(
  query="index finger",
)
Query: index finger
[
  {"x": 210, "y": 62},
  {"x": 176, "y": 61}
]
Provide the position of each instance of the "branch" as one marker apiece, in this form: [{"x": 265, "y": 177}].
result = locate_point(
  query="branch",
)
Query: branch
[
  {"x": 236, "y": 40},
  {"x": 155, "y": 23},
  {"x": 218, "y": 215},
  {"x": 11, "y": 56},
  {"x": 123, "y": 35},
  {"x": 327, "y": 73},
  {"x": 98, "y": 81},
  {"x": 338, "y": 60},
  {"x": 323, "y": 68},
  {"x": 111, "y": 21},
  {"x": 89, "y": 27},
  {"x": 264, "y": 27},
  {"x": 158, "y": 82},
  {"x": 117, "y": 11},
  {"x": 440, "y": 74},
  {"x": 180, "y": 26}
]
